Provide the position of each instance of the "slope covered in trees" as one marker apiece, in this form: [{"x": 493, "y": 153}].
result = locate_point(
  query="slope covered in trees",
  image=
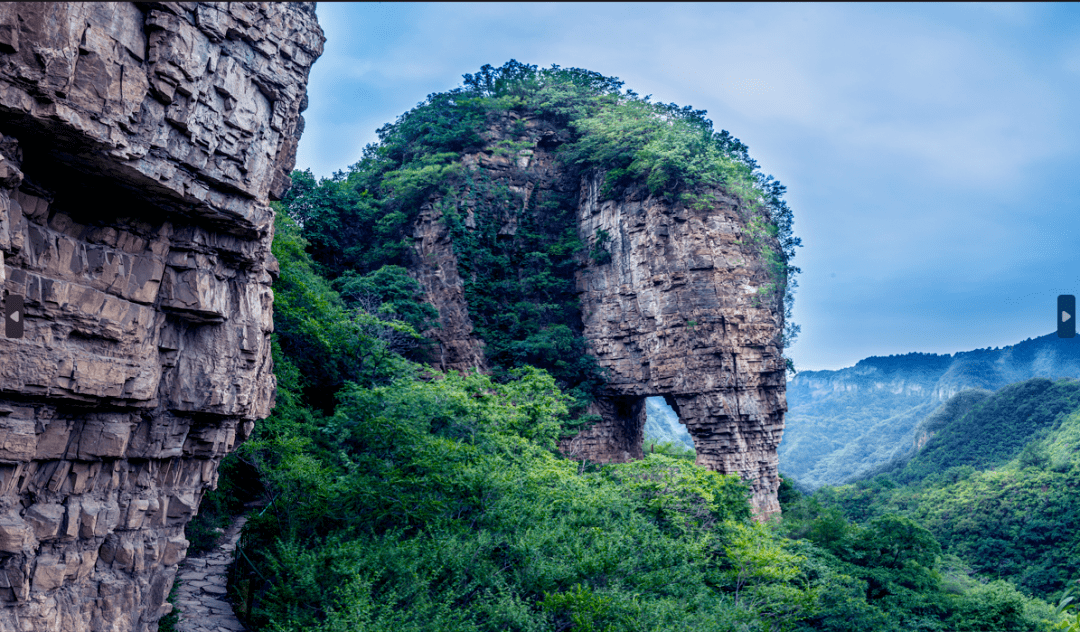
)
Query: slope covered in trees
[
  {"x": 399, "y": 498},
  {"x": 997, "y": 486}
]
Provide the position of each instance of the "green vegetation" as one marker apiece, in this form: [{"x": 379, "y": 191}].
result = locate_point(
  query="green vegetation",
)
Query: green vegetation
[
  {"x": 399, "y": 498},
  {"x": 900, "y": 578},
  {"x": 677, "y": 450},
  {"x": 998, "y": 429},
  {"x": 425, "y": 501},
  {"x": 599, "y": 252},
  {"x": 520, "y": 288},
  {"x": 995, "y": 485},
  {"x": 1071, "y": 610},
  {"x": 953, "y": 409},
  {"x": 438, "y": 502}
]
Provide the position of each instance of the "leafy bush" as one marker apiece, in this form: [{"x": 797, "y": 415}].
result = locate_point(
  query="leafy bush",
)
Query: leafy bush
[{"x": 442, "y": 501}]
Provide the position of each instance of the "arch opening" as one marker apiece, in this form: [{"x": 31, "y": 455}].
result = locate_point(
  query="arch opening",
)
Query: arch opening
[{"x": 663, "y": 423}]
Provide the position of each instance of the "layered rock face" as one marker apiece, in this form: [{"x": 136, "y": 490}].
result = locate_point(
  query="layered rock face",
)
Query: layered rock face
[
  {"x": 140, "y": 146},
  {"x": 681, "y": 310},
  {"x": 435, "y": 266}
]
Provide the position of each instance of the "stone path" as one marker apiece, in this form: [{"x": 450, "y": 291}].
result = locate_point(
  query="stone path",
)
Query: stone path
[{"x": 201, "y": 596}]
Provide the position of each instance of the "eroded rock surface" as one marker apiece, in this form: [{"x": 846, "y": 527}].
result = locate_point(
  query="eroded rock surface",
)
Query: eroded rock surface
[
  {"x": 682, "y": 310},
  {"x": 140, "y": 146}
]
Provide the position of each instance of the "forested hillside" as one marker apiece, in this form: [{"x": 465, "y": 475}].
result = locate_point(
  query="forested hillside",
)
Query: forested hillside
[
  {"x": 400, "y": 498},
  {"x": 844, "y": 424},
  {"x": 996, "y": 485}
]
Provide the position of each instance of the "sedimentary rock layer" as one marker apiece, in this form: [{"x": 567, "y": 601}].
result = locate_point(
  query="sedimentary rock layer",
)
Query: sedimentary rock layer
[
  {"x": 140, "y": 146},
  {"x": 685, "y": 309}
]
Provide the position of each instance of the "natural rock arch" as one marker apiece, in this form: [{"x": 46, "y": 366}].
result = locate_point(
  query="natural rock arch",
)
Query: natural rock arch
[
  {"x": 683, "y": 309},
  {"x": 678, "y": 312}
]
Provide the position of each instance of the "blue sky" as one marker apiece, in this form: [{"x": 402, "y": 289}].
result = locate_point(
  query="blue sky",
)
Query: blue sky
[{"x": 931, "y": 152}]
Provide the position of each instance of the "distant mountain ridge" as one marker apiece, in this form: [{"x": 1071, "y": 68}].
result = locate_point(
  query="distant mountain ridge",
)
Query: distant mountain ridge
[
  {"x": 841, "y": 424},
  {"x": 981, "y": 430}
]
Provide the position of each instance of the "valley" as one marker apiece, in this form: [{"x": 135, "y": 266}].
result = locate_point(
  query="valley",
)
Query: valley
[{"x": 843, "y": 424}]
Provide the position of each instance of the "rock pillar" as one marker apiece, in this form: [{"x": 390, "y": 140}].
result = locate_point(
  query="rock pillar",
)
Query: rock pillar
[{"x": 685, "y": 309}]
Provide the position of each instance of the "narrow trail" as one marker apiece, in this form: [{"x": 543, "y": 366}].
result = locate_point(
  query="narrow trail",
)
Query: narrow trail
[{"x": 201, "y": 596}]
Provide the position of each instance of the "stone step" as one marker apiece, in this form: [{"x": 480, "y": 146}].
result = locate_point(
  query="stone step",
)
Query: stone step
[{"x": 202, "y": 588}]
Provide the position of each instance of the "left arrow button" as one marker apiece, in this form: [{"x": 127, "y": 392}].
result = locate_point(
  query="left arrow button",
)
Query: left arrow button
[{"x": 13, "y": 312}]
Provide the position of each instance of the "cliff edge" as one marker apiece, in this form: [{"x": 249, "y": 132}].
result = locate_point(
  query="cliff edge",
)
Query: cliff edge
[{"x": 140, "y": 146}]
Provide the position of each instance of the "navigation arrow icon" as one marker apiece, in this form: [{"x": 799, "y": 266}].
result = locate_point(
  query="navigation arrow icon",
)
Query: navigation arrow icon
[
  {"x": 13, "y": 309},
  {"x": 1066, "y": 306}
]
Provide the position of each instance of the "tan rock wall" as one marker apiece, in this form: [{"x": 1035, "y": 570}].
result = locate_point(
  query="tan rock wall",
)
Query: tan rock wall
[
  {"x": 434, "y": 265},
  {"x": 677, "y": 312},
  {"x": 140, "y": 145}
]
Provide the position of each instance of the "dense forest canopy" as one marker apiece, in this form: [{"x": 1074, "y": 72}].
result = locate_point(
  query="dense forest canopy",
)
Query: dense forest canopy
[{"x": 398, "y": 498}]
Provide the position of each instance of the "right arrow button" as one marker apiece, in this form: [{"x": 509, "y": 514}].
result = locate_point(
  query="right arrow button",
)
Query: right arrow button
[{"x": 1066, "y": 306}]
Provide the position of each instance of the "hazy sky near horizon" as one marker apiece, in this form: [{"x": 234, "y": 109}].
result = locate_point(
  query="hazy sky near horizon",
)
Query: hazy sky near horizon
[{"x": 931, "y": 151}]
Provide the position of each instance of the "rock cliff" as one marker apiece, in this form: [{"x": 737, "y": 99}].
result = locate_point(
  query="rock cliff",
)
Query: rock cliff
[
  {"x": 140, "y": 145},
  {"x": 680, "y": 308}
]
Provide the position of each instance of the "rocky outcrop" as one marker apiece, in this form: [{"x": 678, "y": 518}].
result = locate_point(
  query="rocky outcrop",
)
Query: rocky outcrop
[
  {"x": 682, "y": 308},
  {"x": 140, "y": 145},
  {"x": 457, "y": 346}
]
